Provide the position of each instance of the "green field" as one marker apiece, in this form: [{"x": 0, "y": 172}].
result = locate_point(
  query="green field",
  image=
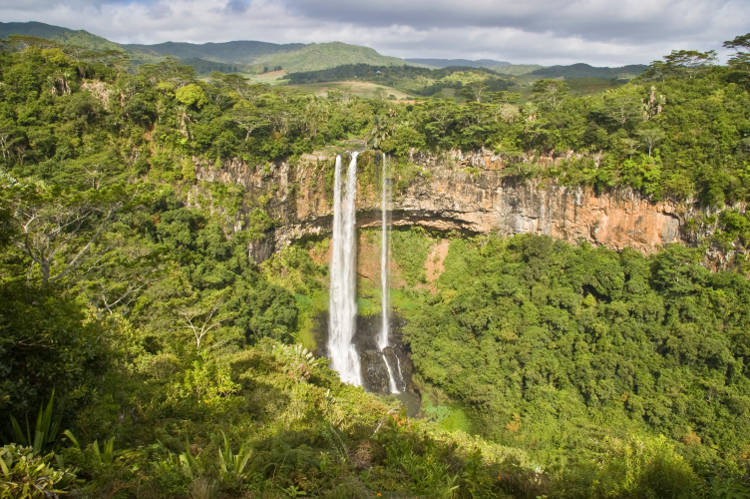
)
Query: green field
[{"x": 364, "y": 89}]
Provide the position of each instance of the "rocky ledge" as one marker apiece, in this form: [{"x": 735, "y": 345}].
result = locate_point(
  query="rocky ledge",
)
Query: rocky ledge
[{"x": 457, "y": 192}]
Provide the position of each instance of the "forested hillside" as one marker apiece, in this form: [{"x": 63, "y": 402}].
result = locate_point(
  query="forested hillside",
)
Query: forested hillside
[
  {"x": 244, "y": 56},
  {"x": 78, "y": 38},
  {"x": 586, "y": 71},
  {"x": 239, "y": 52},
  {"x": 464, "y": 82},
  {"x": 162, "y": 361}
]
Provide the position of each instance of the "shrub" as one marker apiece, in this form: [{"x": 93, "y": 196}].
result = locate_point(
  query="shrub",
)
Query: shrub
[{"x": 26, "y": 474}]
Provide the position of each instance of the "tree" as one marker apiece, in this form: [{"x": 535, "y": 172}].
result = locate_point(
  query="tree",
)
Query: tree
[
  {"x": 203, "y": 315},
  {"x": 55, "y": 232},
  {"x": 621, "y": 108},
  {"x": 475, "y": 90},
  {"x": 739, "y": 42},
  {"x": 651, "y": 136},
  {"x": 7, "y": 227},
  {"x": 739, "y": 63},
  {"x": 549, "y": 93},
  {"x": 685, "y": 62},
  {"x": 380, "y": 132},
  {"x": 246, "y": 116},
  {"x": 235, "y": 83},
  {"x": 191, "y": 95}
]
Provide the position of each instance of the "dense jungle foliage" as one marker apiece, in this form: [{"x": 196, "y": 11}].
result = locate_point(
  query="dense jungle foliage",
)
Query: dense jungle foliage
[
  {"x": 144, "y": 354},
  {"x": 556, "y": 349}
]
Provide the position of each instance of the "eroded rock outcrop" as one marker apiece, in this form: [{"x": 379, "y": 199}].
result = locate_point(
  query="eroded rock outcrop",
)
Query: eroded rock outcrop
[{"x": 458, "y": 192}]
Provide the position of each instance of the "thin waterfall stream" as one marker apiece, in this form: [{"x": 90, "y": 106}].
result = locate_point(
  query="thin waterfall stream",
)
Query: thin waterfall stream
[{"x": 384, "y": 288}]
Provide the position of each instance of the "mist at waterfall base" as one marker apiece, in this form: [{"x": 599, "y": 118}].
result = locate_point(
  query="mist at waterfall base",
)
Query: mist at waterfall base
[{"x": 362, "y": 349}]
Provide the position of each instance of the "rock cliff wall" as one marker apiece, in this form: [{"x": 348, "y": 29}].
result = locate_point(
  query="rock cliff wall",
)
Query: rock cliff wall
[{"x": 456, "y": 192}]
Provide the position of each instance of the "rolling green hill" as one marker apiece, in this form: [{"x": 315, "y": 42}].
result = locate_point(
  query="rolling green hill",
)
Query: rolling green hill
[
  {"x": 445, "y": 63},
  {"x": 248, "y": 56},
  {"x": 502, "y": 67},
  {"x": 579, "y": 70},
  {"x": 242, "y": 56},
  {"x": 517, "y": 69},
  {"x": 236, "y": 52},
  {"x": 261, "y": 57},
  {"x": 318, "y": 56},
  {"x": 408, "y": 79},
  {"x": 582, "y": 70},
  {"x": 67, "y": 36}
]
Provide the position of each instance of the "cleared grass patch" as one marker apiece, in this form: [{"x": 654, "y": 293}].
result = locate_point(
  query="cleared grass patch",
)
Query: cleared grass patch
[{"x": 359, "y": 88}]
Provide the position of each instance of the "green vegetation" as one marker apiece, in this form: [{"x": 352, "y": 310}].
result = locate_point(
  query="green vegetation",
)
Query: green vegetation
[
  {"x": 143, "y": 352},
  {"x": 317, "y": 56},
  {"x": 239, "y": 52},
  {"x": 252, "y": 57},
  {"x": 353, "y": 88},
  {"x": 621, "y": 375},
  {"x": 79, "y": 38},
  {"x": 410, "y": 249},
  {"x": 572, "y": 71},
  {"x": 517, "y": 69},
  {"x": 585, "y": 71},
  {"x": 637, "y": 133},
  {"x": 565, "y": 348},
  {"x": 248, "y": 57},
  {"x": 468, "y": 82},
  {"x": 261, "y": 57},
  {"x": 128, "y": 292}
]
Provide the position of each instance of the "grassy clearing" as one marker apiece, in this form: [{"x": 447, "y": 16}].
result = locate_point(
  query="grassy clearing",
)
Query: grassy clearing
[{"x": 358, "y": 88}]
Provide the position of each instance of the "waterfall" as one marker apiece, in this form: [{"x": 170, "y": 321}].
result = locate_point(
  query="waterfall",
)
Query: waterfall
[
  {"x": 343, "y": 298},
  {"x": 384, "y": 258},
  {"x": 383, "y": 337}
]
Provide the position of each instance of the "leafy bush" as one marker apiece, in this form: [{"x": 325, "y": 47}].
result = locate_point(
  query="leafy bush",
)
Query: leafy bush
[
  {"x": 25, "y": 473},
  {"x": 635, "y": 467}
]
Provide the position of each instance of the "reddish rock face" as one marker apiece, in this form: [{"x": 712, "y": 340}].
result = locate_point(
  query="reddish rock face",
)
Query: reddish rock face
[
  {"x": 488, "y": 203},
  {"x": 466, "y": 193}
]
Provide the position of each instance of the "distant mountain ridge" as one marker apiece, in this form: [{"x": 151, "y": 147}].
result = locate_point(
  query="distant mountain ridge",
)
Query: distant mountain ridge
[
  {"x": 249, "y": 56},
  {"x": 445, "y": 63},
  {"x": 63, "y": 35},
  {"x": 244, "y": 56},
  {"x": 317, "y": 56},
  {"x": 236, "y": 52},
  {"x": 582, "y": 70}
]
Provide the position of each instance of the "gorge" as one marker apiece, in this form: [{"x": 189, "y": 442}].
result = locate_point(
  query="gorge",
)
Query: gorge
[
  {"x": 218, "y": 287},
  {"x": 455, "y": 193}
]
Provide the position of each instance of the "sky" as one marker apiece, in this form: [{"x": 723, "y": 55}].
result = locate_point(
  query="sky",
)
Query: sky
[{"x": 598, "y": 32}]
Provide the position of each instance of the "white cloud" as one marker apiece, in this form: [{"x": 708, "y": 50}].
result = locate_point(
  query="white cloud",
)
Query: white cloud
[{"x": 599, "y": 32}]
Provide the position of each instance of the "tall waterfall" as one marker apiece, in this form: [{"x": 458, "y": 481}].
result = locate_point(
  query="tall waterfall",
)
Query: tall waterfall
[
  {"x": 384, "y": 294},
  {"x": 343, "y": 299}
]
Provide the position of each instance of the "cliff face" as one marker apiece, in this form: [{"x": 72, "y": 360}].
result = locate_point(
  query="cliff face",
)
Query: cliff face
[{"x": 466, "y": 193}]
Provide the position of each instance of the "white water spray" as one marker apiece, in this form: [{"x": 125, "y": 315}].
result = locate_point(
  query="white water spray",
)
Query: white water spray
[
  {"x": 343, "y": 299},
  {"x": 384, "y": 294}
]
